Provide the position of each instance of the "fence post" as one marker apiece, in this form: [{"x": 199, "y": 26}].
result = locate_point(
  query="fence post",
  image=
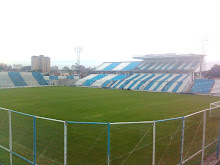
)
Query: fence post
[
  {"x": 210, "y": 110},
  {"x": 65, "y": 143},
  {"x": 203, "y": 139},
  {"x": 218, "y": 142},
  {"x": 108, "y": 161},
  {"x": 10, "y": 136},
  {"x": 154, "y": 140},
  {"x": 34, "y": 133},
  {"x": 182, "y": 140}
]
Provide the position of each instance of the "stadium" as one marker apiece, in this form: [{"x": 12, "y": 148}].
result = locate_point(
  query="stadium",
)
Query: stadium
[{"x": 157, "y": 109}]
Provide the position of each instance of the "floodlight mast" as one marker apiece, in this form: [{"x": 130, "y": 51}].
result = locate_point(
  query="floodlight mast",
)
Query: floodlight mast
[
  {"x": 78, "y": 50},
  {"x": 203, "y": 46},
  {"x": 203, "y": 63}
]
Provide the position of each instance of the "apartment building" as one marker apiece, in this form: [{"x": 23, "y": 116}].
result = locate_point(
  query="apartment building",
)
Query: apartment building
[{"x": 40, "y": 63}]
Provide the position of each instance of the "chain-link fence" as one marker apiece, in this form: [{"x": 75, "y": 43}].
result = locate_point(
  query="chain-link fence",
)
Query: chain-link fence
[{"x": 28, "y": 139}]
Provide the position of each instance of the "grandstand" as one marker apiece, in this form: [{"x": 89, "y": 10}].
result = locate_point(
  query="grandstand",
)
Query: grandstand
[
  {"x": 156, "y": 73},
  {"x": 5, "y": 80},
  {"x": 216, "y": 87},
  {"x": 21, "y": 79}
]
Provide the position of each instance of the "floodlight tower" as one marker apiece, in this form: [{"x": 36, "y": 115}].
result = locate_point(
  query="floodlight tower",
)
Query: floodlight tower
[
  {"x": 203, "y": 64},
  {"x": 203, "y": 46},
  {"x": 78, "y": 50}
]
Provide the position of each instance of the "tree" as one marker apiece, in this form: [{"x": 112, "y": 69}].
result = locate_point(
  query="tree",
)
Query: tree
[
  {"x": 66, "y": 68},
  {"x": 1, "y": 68},
  {"x": 213, "y": 72}
]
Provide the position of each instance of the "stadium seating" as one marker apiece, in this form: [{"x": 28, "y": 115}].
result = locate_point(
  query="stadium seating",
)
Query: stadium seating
[
  {"x": 171, "y": 84},
  {"x": 99, "y": 82},
  {"x": 183, "y": 85},
  {"x": 158, "y": 86},
  {"x": 29, "y": 79},
  {"x": 148, "y": 82},
  {"x": 202, "y": 86},
  {"x": 131, "y": 66},
  {"x": 120, "y": 84},
  {"x": 155, "y": 72},
  {"x": 216, "y": 87},
  {"x": 17, "y": 79},
  {"x": 159, "y": 74},
  {"x": 164, "y": 83},
  {"x": 21, "y": 79},
  {"x": 5, "y": 81},
  {"x": 155, "y": 66},
  {"x": 89, "y": 82},
  {"x": 118, "y": 66},
  {"x": 134, "y": 81},
  {"x": 81, "y": 81},
  {"x": 108, "y": 83},
  {"x": 39, "y": 78}
]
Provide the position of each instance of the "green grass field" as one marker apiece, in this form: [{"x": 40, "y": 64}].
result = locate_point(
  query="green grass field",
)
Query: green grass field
[{"x": 87, "y": 144}]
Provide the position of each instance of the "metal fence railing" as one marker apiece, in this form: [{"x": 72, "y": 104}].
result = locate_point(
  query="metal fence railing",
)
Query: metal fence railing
[{"x": 29, "y": 139}]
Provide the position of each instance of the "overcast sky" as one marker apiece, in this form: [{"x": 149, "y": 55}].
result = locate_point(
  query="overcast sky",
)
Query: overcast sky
[{"x": 114, "y": 30}]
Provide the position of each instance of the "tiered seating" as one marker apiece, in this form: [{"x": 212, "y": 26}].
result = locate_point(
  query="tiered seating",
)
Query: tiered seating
[
  {"x": 118, "y": 66},
  {"x": 202, "y": 86},
  {"x": 81, "y": 81},
  {"x": 39, "y": 78},
  {"x": 183, "y": 84},
  {"x": 157, "y": 72},
  {"x": 29, "y": 79},
  {"x": 120, "y": 84},
  {"x": 163, "y": 82},
  {"x": 21, "y": 79},
  {"x": 216, "y": 87},
  {"x": 17, "y": 79},
  {"x": 134, "y": 81},
  {"x": 155, "y": 66},
  {"x": 139, "y": 82},
  {"x": 171, "y": 84},
  {"x": 5, "y": 80},
  {"x": 108, "y": 83},
  {"x": 89, "y": 82},
  {"x": 99, "y": 82},
  {"x": 131, "y": 66},
  {"x": 148, "y": 82}
]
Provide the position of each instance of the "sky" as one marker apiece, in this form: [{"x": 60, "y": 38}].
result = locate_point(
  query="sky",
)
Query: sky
[{"x": 115, "y": 30}]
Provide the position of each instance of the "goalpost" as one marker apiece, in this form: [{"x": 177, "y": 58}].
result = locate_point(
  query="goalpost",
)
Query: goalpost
[{"x": 214, "y": 105}]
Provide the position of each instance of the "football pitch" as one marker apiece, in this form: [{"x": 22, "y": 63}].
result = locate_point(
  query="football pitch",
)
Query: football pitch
[{"x": 87, "y": 144}]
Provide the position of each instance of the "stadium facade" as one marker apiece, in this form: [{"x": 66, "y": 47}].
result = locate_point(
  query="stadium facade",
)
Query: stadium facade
[{"x": 178, "y": 73}]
